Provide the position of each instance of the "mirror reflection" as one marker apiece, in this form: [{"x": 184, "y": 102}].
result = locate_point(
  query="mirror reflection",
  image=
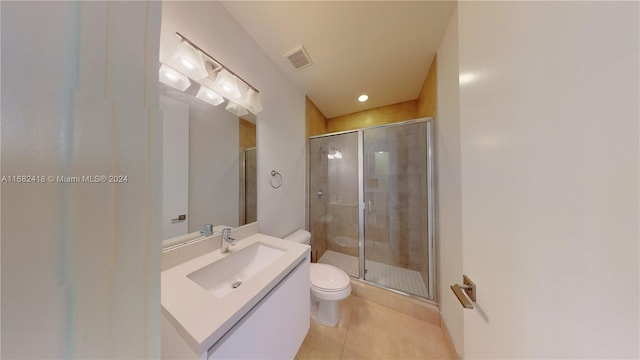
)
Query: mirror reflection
[
  {"x": 209, "y": 160},
  {"x": 248, "y": 185}
]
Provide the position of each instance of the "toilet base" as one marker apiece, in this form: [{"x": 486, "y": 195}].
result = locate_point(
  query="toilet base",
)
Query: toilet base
[{"x": 325, "y": 312}]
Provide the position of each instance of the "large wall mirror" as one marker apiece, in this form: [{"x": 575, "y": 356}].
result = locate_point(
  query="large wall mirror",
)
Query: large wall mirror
[{"x": 209, "y": 165}]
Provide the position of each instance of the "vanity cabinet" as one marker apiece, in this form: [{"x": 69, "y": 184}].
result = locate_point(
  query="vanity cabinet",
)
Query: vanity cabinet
[
  {"x": 275, "y": 327},
  {"x": 251, "y": 302}
]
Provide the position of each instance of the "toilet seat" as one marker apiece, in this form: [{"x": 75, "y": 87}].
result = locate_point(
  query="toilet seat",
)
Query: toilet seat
[{"x": 328, "y": 278}]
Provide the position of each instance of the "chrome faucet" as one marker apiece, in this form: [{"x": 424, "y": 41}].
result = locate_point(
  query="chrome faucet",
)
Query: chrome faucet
[
  {"x": 207, "y": 230},
  {"x": 227, "y": 240}
]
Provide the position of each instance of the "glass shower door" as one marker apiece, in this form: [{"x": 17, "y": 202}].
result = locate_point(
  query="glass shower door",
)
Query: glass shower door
[
  {"x": 396, "y": 231},
  {"x": 333, "y": 201}
]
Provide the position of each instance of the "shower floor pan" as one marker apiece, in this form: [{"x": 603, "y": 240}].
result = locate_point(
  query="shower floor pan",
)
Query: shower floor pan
[{"x": 393, "y": 277}]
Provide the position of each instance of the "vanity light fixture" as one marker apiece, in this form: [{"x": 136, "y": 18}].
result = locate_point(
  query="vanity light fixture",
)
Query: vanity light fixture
[
  {"x": 236, "y": 109},
  {"x": 363, "y": 97},
  {"x": 173, "y": 78},
  {"x": 217, "y": 77},
  {"x": 252, "y": 101},
  {"x": 210, "y": 96},
  {"x": 226, "y": 84}
]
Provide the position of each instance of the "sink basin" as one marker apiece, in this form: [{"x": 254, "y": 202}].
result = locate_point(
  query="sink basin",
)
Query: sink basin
[{"x": 229, "y": 273}]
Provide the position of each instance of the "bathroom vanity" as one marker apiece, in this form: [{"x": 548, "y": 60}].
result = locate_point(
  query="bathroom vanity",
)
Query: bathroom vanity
[{"x": 252, "y": 302}]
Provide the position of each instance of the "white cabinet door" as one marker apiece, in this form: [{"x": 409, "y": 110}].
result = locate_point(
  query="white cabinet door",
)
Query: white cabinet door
[{"x": 276, "y": 327}]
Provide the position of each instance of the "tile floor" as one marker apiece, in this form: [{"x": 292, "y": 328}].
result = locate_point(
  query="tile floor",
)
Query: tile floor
[{"x": 370, "y": 331}]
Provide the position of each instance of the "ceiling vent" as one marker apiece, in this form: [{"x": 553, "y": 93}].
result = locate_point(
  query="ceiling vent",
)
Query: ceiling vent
[{"x": 298, "y": 57}]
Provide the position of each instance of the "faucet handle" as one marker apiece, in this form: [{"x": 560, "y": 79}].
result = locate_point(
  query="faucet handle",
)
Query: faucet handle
[{"x": 226, "y": 236}]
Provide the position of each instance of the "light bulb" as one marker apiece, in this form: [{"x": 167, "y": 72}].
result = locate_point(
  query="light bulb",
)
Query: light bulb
[
  {"x": 252, "y": 101},
  {"x": 171, "y": 76},
  {"x": 190, "y": 61},
  {"x": 226, "y": 83},
  {"x": 186, "y": 63},
  {"x": 363, "y": 98},
  {"x": 207, "y": 95}
]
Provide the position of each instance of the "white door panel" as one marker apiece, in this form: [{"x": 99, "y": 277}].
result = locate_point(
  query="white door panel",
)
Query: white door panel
[{"x": 549, "y": 154}]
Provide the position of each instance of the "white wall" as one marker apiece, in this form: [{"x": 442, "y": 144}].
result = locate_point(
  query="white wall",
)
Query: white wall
[
  {"x": 80, "y": 262},
  {"x": 550, "y": 163},
  {"x": 280, "y": 127},
  {"x": 448, "y": 184}
]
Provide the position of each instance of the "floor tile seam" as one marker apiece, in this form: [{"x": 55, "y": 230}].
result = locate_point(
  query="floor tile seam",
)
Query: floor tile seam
[{"x": 346, "y": 333}]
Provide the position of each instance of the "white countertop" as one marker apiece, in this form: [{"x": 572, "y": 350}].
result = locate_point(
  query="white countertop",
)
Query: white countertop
[{"x": 200, "y": 317}]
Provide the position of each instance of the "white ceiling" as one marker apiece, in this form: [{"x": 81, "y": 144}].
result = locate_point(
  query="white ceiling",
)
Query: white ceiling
[{"x": 381, "y": 48}]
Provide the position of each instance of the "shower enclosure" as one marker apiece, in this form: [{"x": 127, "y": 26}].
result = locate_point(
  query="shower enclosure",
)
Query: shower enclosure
[{"x": 371, "y": 205}]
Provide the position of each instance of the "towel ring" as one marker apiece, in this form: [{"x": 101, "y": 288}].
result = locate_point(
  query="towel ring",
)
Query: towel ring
[{"x": 278, "y": 179}]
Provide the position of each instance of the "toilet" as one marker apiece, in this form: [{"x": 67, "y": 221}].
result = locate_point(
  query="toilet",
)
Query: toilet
[{"x": 329, "y": 286}]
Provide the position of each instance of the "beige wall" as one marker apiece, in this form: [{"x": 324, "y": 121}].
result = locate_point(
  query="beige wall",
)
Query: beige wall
[
  {"x": 247, "y": 134},
  {"x": 316, "y": 121},
  {"x": 406, "y": 110},
  {"x": 427, "y": 105}
]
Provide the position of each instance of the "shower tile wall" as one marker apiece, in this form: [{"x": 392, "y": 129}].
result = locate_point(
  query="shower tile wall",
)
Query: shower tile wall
[
  {"x": 318, "y": 179},
  {"x": 396, "y": 222},
  {"x": 334, "y": 214},
  {"x": 342, "y": 199},
  {"x": 377, "y": 187},
  {"x": 408, "y": 217}
]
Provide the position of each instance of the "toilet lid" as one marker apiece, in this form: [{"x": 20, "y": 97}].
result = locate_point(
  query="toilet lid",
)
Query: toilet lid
[{"x": 328, "y": 277}]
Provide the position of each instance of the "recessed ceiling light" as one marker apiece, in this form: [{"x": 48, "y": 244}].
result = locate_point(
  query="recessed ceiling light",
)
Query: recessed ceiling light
[{"x": 363, "y": 98}]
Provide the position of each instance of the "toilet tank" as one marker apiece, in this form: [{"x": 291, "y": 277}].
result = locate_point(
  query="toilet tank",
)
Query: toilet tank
[{"x": 300, "y": 236}]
